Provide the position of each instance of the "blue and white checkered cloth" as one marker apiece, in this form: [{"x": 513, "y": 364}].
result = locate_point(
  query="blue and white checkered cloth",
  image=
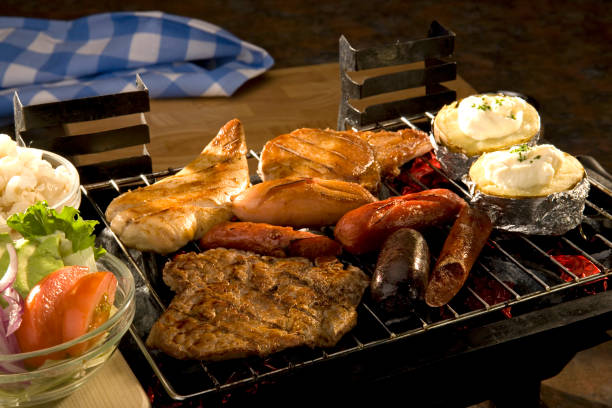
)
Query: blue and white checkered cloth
[{"x": 52, "y": 60}]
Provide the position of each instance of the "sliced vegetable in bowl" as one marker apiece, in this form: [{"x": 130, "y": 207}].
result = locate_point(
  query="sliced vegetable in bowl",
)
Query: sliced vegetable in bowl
[
  {"x": 65, "y": 305},
  {"x": 41, "y": 324},
  {"x": 50, "y": 241},
  {"x": 87, "y": 305}
]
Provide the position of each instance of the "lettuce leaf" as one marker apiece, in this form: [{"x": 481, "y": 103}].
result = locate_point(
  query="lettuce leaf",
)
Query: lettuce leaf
[{"x": 39, "y": 220}]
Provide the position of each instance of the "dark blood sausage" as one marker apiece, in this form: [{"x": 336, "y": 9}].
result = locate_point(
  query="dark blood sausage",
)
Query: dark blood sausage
[
  {"x": 402, "y": 272},
  {"x": 364, "y": 229},
  {"x": 272, "y": 240},
  {"x": 466, "y": 239}
]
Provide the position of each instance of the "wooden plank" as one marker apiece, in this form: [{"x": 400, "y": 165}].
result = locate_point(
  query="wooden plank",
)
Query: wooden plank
[{"x": 113, "y": 386}]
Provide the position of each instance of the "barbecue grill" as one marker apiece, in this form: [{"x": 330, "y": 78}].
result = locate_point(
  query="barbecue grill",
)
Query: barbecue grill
[
  {"x": 522, "y": 315},
  {"x": 529, "y": 305}
]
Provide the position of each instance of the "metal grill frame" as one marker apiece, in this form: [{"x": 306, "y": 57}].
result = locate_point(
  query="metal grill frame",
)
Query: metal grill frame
[{"x": 391, "y": 337}]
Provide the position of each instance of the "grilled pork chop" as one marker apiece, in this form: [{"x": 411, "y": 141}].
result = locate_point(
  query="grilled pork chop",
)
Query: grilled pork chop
[
  {"x": 233, "y": 304},
  {"x": 320, "y": 153},
  {"x": 393, "y": 149},
  {"x": 166, "y": 215}
]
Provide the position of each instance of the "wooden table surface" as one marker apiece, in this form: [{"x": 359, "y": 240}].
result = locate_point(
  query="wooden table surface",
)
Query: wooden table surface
[{"x": 275, "y": 103}]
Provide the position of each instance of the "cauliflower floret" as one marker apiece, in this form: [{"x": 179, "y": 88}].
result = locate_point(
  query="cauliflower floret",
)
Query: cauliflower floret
[
  {"x": 25, "y": 178},
  {"x": 7, "y": 146}
]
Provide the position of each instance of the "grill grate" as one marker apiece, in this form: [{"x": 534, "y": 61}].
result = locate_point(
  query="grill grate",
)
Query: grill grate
[{"x": 520, "y": 266}]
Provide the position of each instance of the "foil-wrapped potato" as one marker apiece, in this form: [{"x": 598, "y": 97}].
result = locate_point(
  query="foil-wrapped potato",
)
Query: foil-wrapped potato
[
  {"x": 533, "y": 190},
  {"x": 481, "y": 123}
]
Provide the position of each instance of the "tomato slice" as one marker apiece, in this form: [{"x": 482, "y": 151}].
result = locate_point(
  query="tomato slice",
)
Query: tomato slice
[
  {"x": 86, "y": 306},
  {"x": 41, "y": 324}
]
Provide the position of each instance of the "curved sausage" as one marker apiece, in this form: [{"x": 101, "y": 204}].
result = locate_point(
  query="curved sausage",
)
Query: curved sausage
[
  {"x": 402, "y": 272},
  {"x": 366, "y": 228},
  {"x": 466, "y": 239},
  {"x": 271, "y": 240}
]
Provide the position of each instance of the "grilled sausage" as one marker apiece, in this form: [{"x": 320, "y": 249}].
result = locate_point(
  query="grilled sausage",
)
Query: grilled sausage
[
  {"x": 366, "y": 228},
  {"x": 299, "y": 201},
  {"x": 272, "y": 240},
  {"x": 466, "y": 239},
  {"x": 402, "y": 272}
]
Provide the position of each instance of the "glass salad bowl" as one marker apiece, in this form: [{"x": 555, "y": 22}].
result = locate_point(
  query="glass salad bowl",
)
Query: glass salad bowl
[{"x": 56, "y": 379}]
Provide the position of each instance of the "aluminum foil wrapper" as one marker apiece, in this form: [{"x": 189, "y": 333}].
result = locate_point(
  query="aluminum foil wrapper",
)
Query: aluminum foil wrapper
[
  {"x": 455, "y": 165},
  {"x": 554, "y": 214}
]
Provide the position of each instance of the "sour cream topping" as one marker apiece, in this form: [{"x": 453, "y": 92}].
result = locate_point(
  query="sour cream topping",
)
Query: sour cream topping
[
  {"x": 522, "y": 167},
  {"x": 490, "y": 116}
]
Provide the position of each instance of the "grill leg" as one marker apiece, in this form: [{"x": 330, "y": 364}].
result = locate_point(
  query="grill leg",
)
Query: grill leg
[{"x": 524, "y": 394}]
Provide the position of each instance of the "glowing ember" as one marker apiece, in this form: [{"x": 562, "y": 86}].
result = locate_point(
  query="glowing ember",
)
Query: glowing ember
[
  {"x": 579, "y": 266},
  {"x": 491, "y": 292},
  {"x": 423, "y": 173}
]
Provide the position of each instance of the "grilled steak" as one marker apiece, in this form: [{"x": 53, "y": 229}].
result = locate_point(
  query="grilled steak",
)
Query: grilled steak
[{"x": 233, "y": 303}]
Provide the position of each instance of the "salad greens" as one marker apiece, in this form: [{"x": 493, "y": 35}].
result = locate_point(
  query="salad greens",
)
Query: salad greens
[{"x": 50, "y": 241}]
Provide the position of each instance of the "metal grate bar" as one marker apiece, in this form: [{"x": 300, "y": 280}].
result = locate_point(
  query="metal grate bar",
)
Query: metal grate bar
[
  {"x": 128, "y": 180},
  {"x": 481, "y": 300},
  {"x": 453, "y": 182},
  {"x": 553, "y": 260},
  {"x": 600, "y": 186},
  {"x": 520, "y": 265},
  {"x": 359, "y": 343},
  {"x": 586, "y": 255},
  {"x": 501, "y": 282},
  {"x": 450, "y": 309},
  {"x": 124, "y": 250},
  {"x": 378, "y": 319},
  {"x": 145, "y": 180},
  {"x": 212, "y": 378},
  {"x": 423, "y": 186},
  {"x": 143, "y": 349},
  {"x": 393, "y": 190},
  {"x": 409, "y": 123},
  {"x": 255, "y": 155},
  {"x": 599, "y": 210},
  {"x": 254, "y": 373},
  {"x": 604, "y": 240}
]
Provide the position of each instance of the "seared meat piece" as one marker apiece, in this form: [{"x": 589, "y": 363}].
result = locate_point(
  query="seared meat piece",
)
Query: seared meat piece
[
  {"x": 234, "y": 303},
  {"x": 299, "y": 201},
  {"x": 394, "y": 149},
  {"x": 166, "y": 215},
  {"x": 320, "y": 153},
  {"x": 272, "y": 240}
]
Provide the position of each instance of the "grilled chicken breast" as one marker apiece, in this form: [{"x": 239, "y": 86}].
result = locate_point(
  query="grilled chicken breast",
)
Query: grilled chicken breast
[
  {"x": 320, "y": 153},
  {"x": 166, "y": 215},
  {"x": 233, "y": 304},
  {"x": 394, "y": 149}
]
